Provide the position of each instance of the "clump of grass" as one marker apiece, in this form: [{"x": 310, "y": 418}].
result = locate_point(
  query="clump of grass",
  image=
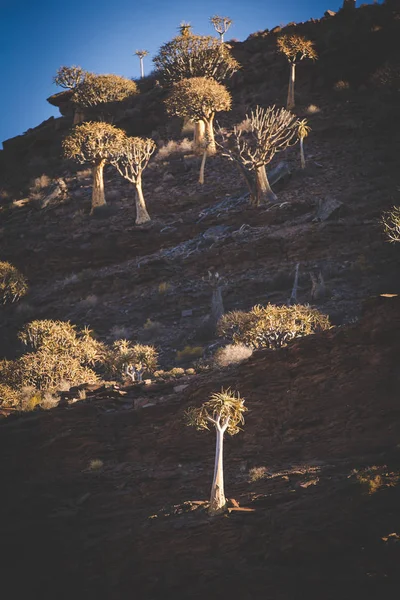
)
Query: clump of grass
[
  {"x": 13, "y": 285},
  {"x": 341, "y": 86},
  {"x": 163, "y": 287},
  {"x": 177, "y": 372},
  {"x": 232, "y": 355},
  {"x": 257, "y": 473},
  {"x": 95, "y": 465},
  {"x": 313, "y": 109},
  {"x": 189, "y": 353},
  {"x": 174, "y": 147}
]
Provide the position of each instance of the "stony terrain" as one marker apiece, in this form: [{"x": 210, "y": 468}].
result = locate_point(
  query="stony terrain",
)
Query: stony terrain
[{"x": 104, "y": 497}]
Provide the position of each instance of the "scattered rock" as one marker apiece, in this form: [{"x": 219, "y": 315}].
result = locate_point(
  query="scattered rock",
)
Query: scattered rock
[
  {"x": 187, "y": 313},
  {"x": 326, "y": 208},
  {"x": 180, "y": 388},
  {"x": 57, "y": 194},
  {"x": 216, "y": 233},
  {"x": 329, "y": 13},
  {"x": 168, "y": 177}
]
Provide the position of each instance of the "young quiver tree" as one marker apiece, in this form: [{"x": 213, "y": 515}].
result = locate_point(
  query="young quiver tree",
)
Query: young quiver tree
[
  {"x": 221, "y": 25},
  {"x": 98, "y": 91},
  {"x": 253, "y": 144},
  {"x": 141, "y": 54},
  {"x": 296, "y": 48},
  {"x": 199, "y": 99},
  {"x": 95, "y": 144},
  {"x": 303, "y": 131},
  {"x": 224, "y": 410},
  {"x": 13, "y": 285},
  {"x": 70, "y": 78},
  {"x": 132, "y": 159}
]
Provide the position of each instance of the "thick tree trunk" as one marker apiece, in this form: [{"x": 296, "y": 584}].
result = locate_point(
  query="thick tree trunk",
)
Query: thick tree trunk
[
  {"x": 142, "y": 216},
  {"x": 202, "y": 167},
  {"x": 199, "y": 137},
  {"x": 302, "y": 157},
  {"x": 98, "y": 198},
  {"x": 217, "y": 499},
  {"x": 290, "y": 99},
  {"x": 264, "y": 194},
  {"x": 209, "y": 136}
]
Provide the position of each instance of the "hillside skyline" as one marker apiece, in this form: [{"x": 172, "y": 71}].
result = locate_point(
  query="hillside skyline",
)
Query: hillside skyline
[{"x": 103, "y": 38}]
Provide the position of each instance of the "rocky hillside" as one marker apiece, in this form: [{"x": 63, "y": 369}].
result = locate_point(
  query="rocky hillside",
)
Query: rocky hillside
[{"x": 105, "y": 496}]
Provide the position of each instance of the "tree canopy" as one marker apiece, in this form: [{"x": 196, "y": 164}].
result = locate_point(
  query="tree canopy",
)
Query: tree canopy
[
  {"x": 198, "y": 98},
  {"x": 191, "y": 55},
  {"x": 93, "y": 142},
  {"x": 103, "y": 89}
]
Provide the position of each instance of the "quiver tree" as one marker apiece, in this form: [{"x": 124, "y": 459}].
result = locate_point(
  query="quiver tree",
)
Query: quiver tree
[
  {"x": 98, "y": 91},
  {"x": 221, "y": 25},
  {"x": 199, "y": 99},
  {"x": 141, "y": 54},
  {"x": 253, "y": 144},
  {"x": 224, "y": 410},
  {"x": 132, "y": 159},
  {"x": 95, "y": 144},
  {"x": 69, "y": 77},
  {"x": 302, "y": 131},
  {"x": 188, "y": 55},
  {"x": 296, "y": 48},
  {"x": 124, "y": 359}
]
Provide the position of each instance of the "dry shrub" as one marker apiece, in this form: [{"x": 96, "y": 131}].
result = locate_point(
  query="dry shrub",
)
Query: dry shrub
[
  {"x": 184, "y": 146},
  {"x": 40, "y": 183},
  {"x": 232, "y": 355},
  {"x": 163, "y": 287},
  {"x": 13, "y": 284},
  {"x": 189, "y": 353},
  {"x": 376, "y": 477},
  {"x": 271, "y": 326},
  {"x": 123, "y": 354},
  {"x": 313, "y": 109},
  {"x": 120, "y": 331},
  {"x": 59, "y": 354},
  {"x": 341, "y": 86},
  {"x": 176, "y": 372},
  {"x": 257, "y": 473},
  {"x": 387, "y": 77}
]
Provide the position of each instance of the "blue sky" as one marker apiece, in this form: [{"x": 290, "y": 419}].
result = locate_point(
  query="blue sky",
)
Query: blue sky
[{"x": 38, "y": 36}]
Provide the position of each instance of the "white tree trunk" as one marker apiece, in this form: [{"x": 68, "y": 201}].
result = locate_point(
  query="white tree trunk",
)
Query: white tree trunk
[
  {"x": 209, "y": 136},
  {"x": 217, "y": 498},
  {"x": 141, "y": 68},
  {"x": 142, "y": 216},
  {"x": 292, "y": 78},
  {"x": 302, "y": 157},
  {"x": 98, "y": 198},
  {"x": 202, "y": 167},
  {"x": 199, "y": 137}
]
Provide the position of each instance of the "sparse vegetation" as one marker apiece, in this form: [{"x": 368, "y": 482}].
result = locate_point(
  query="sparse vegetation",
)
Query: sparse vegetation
[
  {"x": 13, "y": 285},
  {"x": 224, "y": 410},
  {"x": 271, "y": 326},
  {"x": 96, "y": 144},
  {"x": 189, "y": 353}
]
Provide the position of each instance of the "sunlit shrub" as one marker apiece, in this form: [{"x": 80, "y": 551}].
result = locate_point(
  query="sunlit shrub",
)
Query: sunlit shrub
[
  {"x": 123, "y": 354},
  {"x": 232, "y": 355},
  {"x": 13, "y": 284},
  {"x": 271, "y": 326}
]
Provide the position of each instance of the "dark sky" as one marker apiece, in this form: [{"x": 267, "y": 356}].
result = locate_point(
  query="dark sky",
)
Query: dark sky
[{"x": 38, "y": 36}]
